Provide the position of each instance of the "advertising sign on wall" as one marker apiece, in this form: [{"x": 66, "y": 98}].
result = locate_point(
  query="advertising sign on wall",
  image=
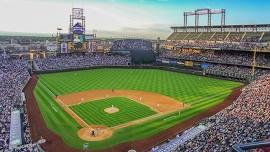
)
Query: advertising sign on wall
[
  {"x": 78, "y": 28},
  {"x": 64, "y": 47},
  {"x": 65, "y": 37}
]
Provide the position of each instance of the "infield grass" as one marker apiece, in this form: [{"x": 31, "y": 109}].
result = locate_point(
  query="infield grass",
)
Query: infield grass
[
  {"x": 201, "y": 93},
  {"x": 93, "y": 112}
]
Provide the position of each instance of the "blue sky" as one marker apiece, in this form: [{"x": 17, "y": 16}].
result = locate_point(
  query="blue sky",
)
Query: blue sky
[{"x": 145, "y": 18}]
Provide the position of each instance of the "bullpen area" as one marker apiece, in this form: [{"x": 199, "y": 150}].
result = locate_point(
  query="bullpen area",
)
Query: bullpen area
[{"x": 101, "y": 108}]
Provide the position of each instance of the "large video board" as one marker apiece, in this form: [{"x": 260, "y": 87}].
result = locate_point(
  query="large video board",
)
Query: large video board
[{"x": 78, "y": 38}]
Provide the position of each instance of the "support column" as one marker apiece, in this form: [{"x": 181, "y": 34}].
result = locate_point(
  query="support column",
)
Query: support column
[{"x": 209, "y": 21}]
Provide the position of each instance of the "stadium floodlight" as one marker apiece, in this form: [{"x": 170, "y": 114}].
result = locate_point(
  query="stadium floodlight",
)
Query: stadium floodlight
[{"x": 205, "y": 11}]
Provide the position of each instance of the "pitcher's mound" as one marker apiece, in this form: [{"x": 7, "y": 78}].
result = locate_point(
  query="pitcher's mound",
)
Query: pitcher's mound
[
  {"x": 94, "y": 133},
  {"x": 111, "y": 110}
]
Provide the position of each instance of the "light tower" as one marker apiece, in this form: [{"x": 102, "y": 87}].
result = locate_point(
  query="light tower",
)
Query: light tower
[{"x": 209, "y": 13}]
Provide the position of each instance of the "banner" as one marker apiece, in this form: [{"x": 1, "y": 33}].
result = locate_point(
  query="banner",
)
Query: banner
[
  {"x": 189, "y": 63},
  {"x": 70, "y": 46},
  {"x": 165, "y": 61},
  {"x": 78, "y": 28},
  {"x": 65, "y": 37},
  {"x": 204, "y": 65},
  {"x": 173, "y": 62},
  {"x": 63, "y": 47},
  {"x": 180, "y": 63}
]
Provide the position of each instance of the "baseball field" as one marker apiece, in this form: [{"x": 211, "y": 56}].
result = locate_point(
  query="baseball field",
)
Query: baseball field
[{"x": 106, "y": 107}]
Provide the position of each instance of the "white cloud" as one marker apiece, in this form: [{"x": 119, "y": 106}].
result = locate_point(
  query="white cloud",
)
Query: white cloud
[{"x": 46, "y": 16}]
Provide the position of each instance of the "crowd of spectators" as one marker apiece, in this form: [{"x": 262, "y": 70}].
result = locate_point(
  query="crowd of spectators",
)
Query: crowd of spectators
[
  {"x": 228, "y": 37},
  {"x": 226, "y": 57},
  {"x": 181, "y": 138},
  {"x": 132, "y": 44},
  {"x": 80, "y": 60},
  {"x": 235, "y": 71},
  {"x": 229, "y": 62},
  {"x": 246, "y": 120},
  {"x": 216, "y": 45},
  {"x": 13, "y": 78}
]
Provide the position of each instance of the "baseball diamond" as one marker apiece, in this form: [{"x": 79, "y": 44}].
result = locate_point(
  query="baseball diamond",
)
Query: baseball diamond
[
  {"x": 148, "y": 101},
  {"x": 92, "y": 113}
]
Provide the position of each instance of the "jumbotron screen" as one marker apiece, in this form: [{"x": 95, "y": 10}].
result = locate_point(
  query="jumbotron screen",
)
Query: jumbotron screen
[{"x": 78, "y": 41}]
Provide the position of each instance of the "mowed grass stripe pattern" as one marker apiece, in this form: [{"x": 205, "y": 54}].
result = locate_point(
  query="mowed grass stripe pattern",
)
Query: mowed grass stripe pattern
[
  {"x": 201, "y": 93},
  {"x": 93, "y": 112},
  {"x": 182, "y": 87}
]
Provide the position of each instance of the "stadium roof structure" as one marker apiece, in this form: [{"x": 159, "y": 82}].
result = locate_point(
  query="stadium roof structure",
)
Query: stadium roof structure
[{"x": 224, "y": 28}]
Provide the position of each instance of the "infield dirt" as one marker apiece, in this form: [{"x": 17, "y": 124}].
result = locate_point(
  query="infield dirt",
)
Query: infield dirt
[{"x": 157, "y": 102}]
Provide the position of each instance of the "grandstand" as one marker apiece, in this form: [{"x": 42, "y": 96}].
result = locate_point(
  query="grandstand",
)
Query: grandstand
[
  {"x": 239, "y": 52},
  {"x": 236, "y": 51},
  {"x": 231, "y": 33}
]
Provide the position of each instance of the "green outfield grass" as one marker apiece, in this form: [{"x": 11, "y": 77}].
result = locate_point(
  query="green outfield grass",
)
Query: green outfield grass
[
  {"x": 93, "y": 112},
  {"x": 200, "y": 92}
]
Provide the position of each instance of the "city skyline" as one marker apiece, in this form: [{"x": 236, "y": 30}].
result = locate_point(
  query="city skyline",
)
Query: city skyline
[{"x": 123, "y": 18}]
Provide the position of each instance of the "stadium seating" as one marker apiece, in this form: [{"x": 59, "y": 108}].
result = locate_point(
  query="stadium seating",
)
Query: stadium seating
[
  {"x": 13, "y": 77},
  {"x": 252, "y": 37},
  {"x": 178, "y": 36},
  {"x": 131, "y": 44},
  {"x": 226, "y": 61},
  {"x": 219, "y": 36},
  {"x": 266, "y": 37},
  {"x": 206, "y": 36},
  {"x": 79, "y": 61},
  {"x": 237, "y": 123},
  {"x": 172, "y": 36},
  {"x": 192, "y": 36},
  {"x": 234, "y": 37},
  {"x": 173, "y": 144}
]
